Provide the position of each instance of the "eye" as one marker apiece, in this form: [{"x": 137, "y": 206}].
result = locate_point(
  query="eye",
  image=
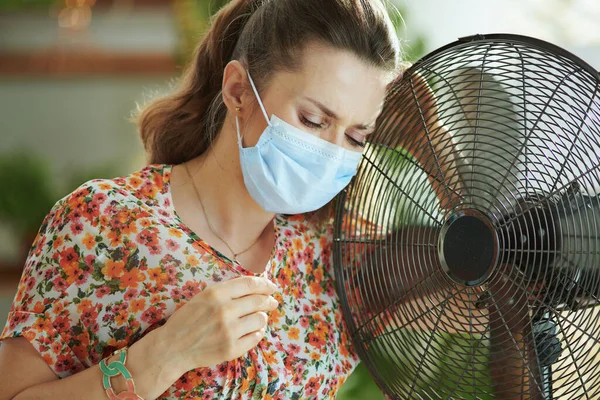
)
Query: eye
[
  {"x": 311, "y": 124},
  {"x": 355, "y": 142}
]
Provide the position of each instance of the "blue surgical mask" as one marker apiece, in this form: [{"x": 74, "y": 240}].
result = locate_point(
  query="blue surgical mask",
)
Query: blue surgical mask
[{"x": 290, "y": 171}]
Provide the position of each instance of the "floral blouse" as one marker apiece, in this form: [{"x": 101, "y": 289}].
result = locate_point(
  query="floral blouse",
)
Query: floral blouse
[{"x": 113, "y": 261}]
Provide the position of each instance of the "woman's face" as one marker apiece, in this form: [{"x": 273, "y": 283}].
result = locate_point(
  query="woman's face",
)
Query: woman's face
[{"x": 333, "y": 95}]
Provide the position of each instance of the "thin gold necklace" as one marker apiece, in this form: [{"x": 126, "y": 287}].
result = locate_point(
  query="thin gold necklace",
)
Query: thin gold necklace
[{"x": 212, "y": 229}]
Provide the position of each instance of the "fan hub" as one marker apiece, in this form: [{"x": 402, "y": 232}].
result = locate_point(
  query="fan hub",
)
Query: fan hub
[{"x": 468, "y": 248}]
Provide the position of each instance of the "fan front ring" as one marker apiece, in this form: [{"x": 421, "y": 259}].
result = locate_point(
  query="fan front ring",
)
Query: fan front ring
[{"x": 468, "y": 248}]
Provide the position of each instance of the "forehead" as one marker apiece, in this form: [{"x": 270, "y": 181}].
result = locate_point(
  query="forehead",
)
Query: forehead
[{"x": 340, "y": 80}]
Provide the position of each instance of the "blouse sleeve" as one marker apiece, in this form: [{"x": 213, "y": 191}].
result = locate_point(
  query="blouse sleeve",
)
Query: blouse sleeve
[{"x": 43, "y": 311}]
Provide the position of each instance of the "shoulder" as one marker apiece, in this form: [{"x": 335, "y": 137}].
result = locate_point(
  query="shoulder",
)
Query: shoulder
[
  {"x": 144, "y": 184},
  {"x": 147, "y": 185},
  {"x": 80, "y": 224},
  {"x": 88, "y": 210}
]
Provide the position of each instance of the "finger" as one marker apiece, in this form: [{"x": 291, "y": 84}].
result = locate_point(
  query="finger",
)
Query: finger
[
  {"x": 246, "y": 285},
  {"x": 253, "y": 303},
  {"x": 250, "y": 340},
  {"x": 250, "y": 323}
]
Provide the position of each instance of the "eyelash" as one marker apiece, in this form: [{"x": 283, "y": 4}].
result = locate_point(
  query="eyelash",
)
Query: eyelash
[
  {"x": 309, "y": 123},
  {"x": 355, "y": 142},
  {"x": 313, "y": 125}
]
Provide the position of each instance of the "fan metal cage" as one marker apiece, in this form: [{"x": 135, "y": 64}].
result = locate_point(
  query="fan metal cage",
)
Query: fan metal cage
[{"x": 467, "y": 247}]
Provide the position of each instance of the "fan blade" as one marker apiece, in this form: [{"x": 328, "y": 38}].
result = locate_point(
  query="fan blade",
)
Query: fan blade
[
  {"x": 481, "y": 117},
  {"x": 396, "y": 234},
  {"x": 413, "y": 127},
  {"x": 404, "y": 267},
  {"x": 514, "y": 364}
]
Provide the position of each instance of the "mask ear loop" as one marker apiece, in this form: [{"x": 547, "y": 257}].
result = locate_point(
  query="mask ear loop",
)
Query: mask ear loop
[
  {"x": 262, "y": 107},
  {"x": 237, "y": 129}
]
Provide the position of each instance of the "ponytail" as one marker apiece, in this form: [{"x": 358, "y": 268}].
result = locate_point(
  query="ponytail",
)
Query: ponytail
[{"x": 182, "y": 125}]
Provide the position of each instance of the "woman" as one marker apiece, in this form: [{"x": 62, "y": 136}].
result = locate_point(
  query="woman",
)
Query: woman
[{"x": 168, "y": 264}]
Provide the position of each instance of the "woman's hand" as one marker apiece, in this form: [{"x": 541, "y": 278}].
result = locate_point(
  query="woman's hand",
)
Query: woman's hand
[{"x": 220, "y": 323}]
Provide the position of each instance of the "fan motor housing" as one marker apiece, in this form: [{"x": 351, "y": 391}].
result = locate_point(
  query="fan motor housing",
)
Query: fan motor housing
[{"x": 468, "y": 248}]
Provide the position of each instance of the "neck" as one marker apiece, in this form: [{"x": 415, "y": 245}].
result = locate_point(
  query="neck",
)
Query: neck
[{"x": 230, "y": 209}]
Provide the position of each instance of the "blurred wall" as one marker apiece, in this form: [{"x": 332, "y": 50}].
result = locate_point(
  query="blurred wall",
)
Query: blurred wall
[
  {"x": 73, "y": 123},
  {"x": 572, "y": 24},
  {"x": 78, "y": 120}
]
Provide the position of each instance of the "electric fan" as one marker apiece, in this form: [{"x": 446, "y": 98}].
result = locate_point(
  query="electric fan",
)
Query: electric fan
[{"x": 467, "y": 247}]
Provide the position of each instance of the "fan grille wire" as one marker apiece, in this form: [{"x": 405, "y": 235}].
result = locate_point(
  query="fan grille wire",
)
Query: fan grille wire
[{"x": 501, "y": 129}]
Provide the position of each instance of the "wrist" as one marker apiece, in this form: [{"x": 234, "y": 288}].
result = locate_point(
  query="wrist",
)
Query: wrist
[{"x": 152, "y": 366}]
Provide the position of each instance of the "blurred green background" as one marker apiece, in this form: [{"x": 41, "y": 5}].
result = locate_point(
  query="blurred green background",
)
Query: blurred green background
[{"x": 72, "y": 71}]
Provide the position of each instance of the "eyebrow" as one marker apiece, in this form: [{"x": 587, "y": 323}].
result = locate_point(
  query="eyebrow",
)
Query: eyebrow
[{"x": 333, "y": 115}]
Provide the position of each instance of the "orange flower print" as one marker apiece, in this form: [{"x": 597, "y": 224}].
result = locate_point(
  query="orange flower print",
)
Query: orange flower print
[
  {"x": 130, "y": 228},
  {"x": 315, "y": 287},
  {"x": 298, "y": 245},
  {"x": 38, "y": 308},
  {"x": 131, "y": 279},
  {"x": 56, "y": 347},
  {"x": 42, "y": 324},
  {"x": 113, "y": 269},
  {"x": 58, "y": 308},
  {"x": 321, "y": 329},
  {"x": 192, "y": 260},
  {"x": 156, "y": 298},
  {"x": 121, "y": 317},
  {"x": 157, "y": 275},
  {"x": 274, "y": 316},
  {"x": 315, "y": 340},
  {"x": 318, "y": 275},
  {"x": 135, "y": 182},
  {"x": 195, "y": 378},
  {"x": 294, "y": 333},
  {"x": 58, "y": 242},
  {"x": 30, "y": 334},
  {"x": 137, "y": 305},
  {"x": 71, "y": 270},
  {"x": 89, "y": 241},
  {"x": 175, "y": 232},
  {"x": 114, "y": 238},
  {"x": 344, "y": 347},
  {"x": 269, "y": 357}
]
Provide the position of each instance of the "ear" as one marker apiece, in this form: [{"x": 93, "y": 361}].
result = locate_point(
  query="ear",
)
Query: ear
[{"x": 235, "y": 88}]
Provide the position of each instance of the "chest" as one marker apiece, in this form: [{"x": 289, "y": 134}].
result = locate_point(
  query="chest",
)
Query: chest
[{"x": 305, "y": 351}]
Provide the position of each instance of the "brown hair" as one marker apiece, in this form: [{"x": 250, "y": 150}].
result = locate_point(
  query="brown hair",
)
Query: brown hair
[{"x": 266, "y": 36}]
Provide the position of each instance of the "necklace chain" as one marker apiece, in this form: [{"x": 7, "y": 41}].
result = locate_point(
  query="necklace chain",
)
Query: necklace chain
[{"x": 210, "y": 226}]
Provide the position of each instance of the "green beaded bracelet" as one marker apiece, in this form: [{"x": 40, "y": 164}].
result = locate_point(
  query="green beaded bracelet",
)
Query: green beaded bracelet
[{"x": 116, "y": 368}]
